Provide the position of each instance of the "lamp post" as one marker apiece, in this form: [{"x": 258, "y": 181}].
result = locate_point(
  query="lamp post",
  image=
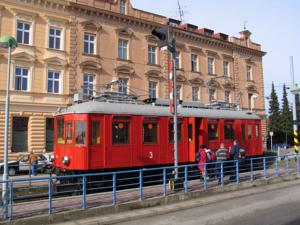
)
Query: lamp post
[{"x": 6, "y": 42}]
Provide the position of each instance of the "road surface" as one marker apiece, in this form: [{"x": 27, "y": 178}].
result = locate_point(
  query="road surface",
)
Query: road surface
[{"x": 277, "y": 207}]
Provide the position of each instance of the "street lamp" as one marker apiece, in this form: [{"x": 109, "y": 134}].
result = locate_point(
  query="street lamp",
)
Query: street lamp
[{"x": 10, "y": 43}]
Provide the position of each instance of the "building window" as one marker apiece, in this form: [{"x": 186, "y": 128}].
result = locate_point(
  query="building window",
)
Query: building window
[
  {"x": 212, "y": 130},
  {"x": 211, "y": 65},
  {"x": 23, "y": 33},
  {"x": 89, "y": 43},
  {"x": 149, "y": 132},
  {"x": 177, "y": 60},
  {"x": 226, "y": 68},
  {"x": 151, "y": 54},
  {"x": 19, "y": 134},
  {"x": 123, "y": 7},
  {"x": 179, "y": 131},
  {"x": 80, "y": 131},
  {"x": 123, "y": 49},
  {"x": 227, "y": 96},
  {"x": 95, "y": 132},
  {"x": 88, "y": 85},
  {"x": 152, "y": 89},
  {"x": 228, "y": 130},
  {"x": 21, "y": 79},
  {"x": 195, "y": 93},
  {"x": 54, "y": 38},
  {"x": 178, "y": 92},
  {"x": 53, "y": 82},
  {"x": 249, "y": 72},
  {"x": 250, "y": 96},
  {"x": 123, "y": 83},
  {"x": 194, "y": 60},
  {"x": 212, "y": 94},
  {"x": 49, "y": 134},
  {"x": 120, "y": 132}
]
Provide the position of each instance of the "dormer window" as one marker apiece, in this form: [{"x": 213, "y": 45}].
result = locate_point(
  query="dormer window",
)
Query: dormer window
[{"x": 123, "y": 7}]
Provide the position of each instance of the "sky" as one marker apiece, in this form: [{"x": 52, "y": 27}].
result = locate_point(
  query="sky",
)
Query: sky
[{"x": 275, "y": 24}]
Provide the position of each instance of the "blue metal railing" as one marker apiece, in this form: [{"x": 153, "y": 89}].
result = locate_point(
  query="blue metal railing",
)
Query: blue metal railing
[{"x": 56, "y": 193}]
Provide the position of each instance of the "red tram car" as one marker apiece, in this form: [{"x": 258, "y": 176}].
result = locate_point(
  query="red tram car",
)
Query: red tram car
[{"x": 101, "y": 135}]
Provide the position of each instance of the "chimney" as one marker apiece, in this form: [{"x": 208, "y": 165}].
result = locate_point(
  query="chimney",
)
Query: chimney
[{"x": 245, "y": 37}]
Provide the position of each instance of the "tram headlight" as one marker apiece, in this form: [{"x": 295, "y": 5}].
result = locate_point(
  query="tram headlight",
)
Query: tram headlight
[{"x": 66, "y": 160}]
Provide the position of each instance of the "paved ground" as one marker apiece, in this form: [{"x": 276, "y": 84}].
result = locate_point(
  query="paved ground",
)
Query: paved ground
[{"x": 277, "y": 204}]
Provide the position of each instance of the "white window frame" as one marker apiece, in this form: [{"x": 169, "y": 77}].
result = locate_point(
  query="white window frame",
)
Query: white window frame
[
  {"x": 55, "y": 38},
  {"x": 211, "y": 65},
  {"x": 226, "y": 68},
  {"x": 123, "y": 85},
  {"x": 249, "y": 73},
  {"x": 194, "y": 63},
  {"x": 178, "y": 60},
  {"x": 152, "y": 54},
  {"x": 59, "y": 24},
  {"x": 89, "y": 42},
  {"x": 195, "y": 93},
  {"x": 179, "y": 91},
  {"x": 227, "y": 96},
  {"x": 53, "y": 81},
  {"x": 250, "y": 100},
  {"x": 87, "y": 84},
  {"x": 211, "y": 95},
  {"x": 23, "y": 31},
  {"x": 152, "y": 89},
  {"x": 123, "y": 49},
  {"x": 21, "y": 76},
  {"x": 122, "y": 7}
]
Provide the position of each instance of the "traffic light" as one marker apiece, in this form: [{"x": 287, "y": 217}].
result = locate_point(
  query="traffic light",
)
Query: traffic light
[{"x": 163, "y": 34}]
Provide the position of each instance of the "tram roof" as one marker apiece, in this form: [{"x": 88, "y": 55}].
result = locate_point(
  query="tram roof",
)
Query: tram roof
[{"x": 96, "y": 107}]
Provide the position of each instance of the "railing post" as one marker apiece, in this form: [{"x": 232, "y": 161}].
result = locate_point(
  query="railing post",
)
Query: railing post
[
  {"x": 251, "y": 169},
  {"x": 114, "y": 194},
  {"x": 222, "y": 174},
  {"x": 237, "y": 171},
  {"x": 276, "y": 163},
  {"x": 84, "y": 192},
  {"x": 11, "y": 199},
  {"x": 165, "y": 181},
  {"x": 50, "y": 194},
  {"x": 186, "y": 188},
  {"x": 141, "y": 185},
  {"x": 205, "y": 184},
  {"x": 265, "y": 169},
  {"x": 287, "y": 165}
]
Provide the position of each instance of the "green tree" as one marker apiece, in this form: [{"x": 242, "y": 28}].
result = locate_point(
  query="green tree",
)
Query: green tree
[
  {"x": 286, "y": 116},
  {"x": 274, "y": 113}
]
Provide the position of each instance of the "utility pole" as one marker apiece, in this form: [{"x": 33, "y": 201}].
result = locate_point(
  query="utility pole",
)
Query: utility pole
[
  {"x": 294, "y": 91},
  {"x": 166, "y": 42}
]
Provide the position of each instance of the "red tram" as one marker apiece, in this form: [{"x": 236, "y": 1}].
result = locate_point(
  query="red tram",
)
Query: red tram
[{"x": 102, "y": 135}]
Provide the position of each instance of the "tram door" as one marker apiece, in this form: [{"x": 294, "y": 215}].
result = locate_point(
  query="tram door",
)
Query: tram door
[
  {"x": 96, "y": 142},
  {"x": 193, "y": 137}
]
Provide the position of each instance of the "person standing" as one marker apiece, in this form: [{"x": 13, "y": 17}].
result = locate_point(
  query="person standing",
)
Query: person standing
[
  {"x": 234, "y": 155},
  {"x": 33, "y": 161},
  {"x": 203, "y": 159},
  {"x": 221, "y": 156}
]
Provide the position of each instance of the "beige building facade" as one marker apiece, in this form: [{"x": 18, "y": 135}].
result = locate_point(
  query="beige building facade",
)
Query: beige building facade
[{"x": 91, "y": 46}]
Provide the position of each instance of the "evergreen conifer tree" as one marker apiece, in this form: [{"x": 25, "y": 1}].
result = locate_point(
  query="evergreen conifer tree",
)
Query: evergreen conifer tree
[
  {"x": 274, "y": 113},
  {"x": 286, "y": 117}
]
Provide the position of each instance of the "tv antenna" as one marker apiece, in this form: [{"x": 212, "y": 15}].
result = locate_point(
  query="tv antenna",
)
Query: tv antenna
[
  {"x": 245, "y": 24},
  {"x": 181, "y": 11}
]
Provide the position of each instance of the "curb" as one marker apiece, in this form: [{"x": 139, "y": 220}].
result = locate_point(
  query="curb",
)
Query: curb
[{"x": 105, "y": 215}]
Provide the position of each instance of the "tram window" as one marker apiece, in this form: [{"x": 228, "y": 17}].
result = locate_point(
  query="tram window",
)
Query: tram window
[
  {"x": 149, "y": 133},
  {"x": 249, "y": 131},
  {"x": 120, "y": 132},
  {"x": 171, "y": 132},
  {"x": 228, "y": 131},
  {"x": 257, "y": 131},
  {"x": 69, "y": 138},
  {"x": 190, "y": 132},
  {"x": 95, "y": 132},
  {"x": 80, "y": 132},
  {"x": 243, "y": 132},
  {"x": 213, "y": 131},
  {"x": 60, "y": 131}
]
